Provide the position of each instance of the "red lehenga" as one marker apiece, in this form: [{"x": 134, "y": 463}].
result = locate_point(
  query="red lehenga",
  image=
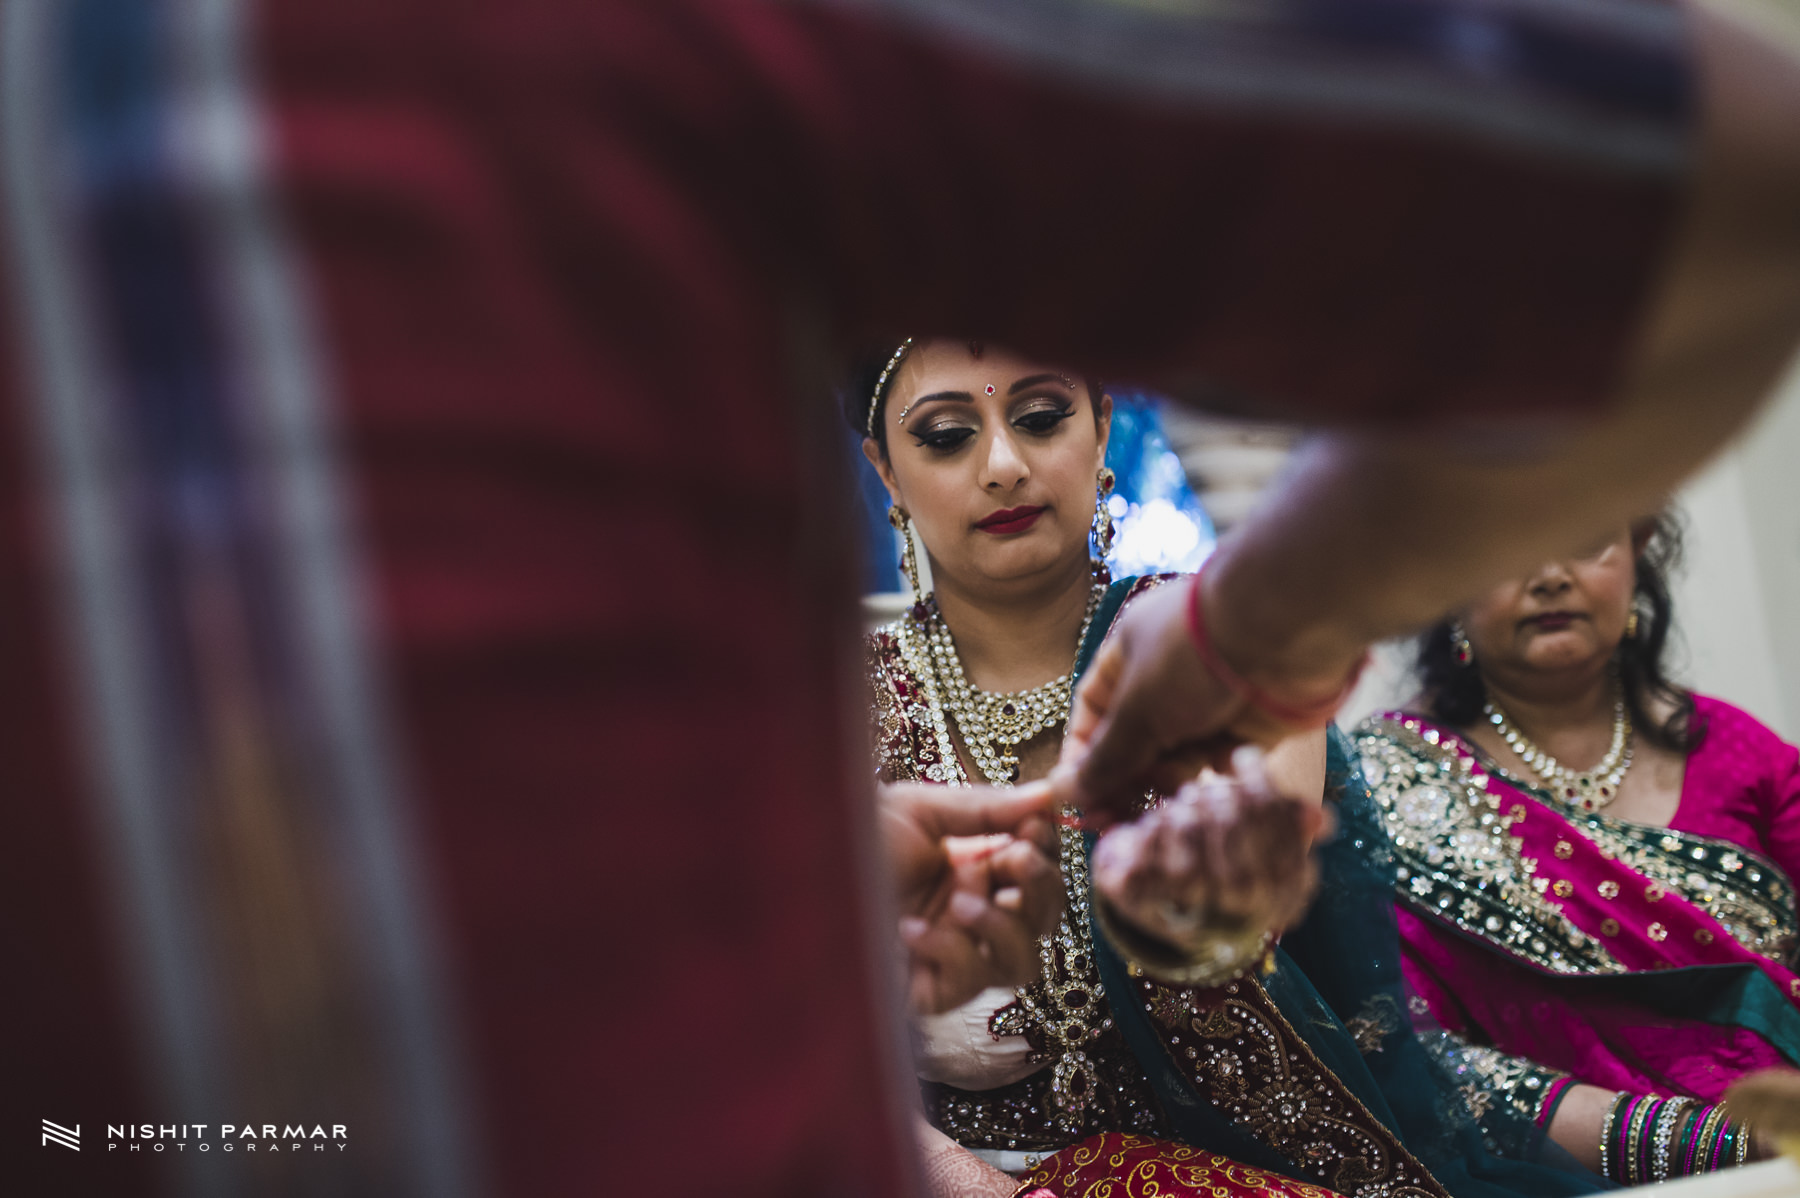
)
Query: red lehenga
[{"x": 1115, "y": 1165}]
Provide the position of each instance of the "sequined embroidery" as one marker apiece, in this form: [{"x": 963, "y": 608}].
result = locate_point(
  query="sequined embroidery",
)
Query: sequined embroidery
[
  {"x": 1378, "y": 1019},
  {"x": 1749, "y": 895},
  {"x": 1453, "y": 855},
  {"x": 1436, "y": 805},
  {"x": 1093, "y": 1083},
  {"x": 1488, "y": 1075},
  {"x": 1241, "y": 1053}
]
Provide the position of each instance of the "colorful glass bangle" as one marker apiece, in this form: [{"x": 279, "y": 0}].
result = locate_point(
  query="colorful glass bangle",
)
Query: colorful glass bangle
[
  {"x": 1690, "y": 1138},
  {"x": 1626, "y": 1169},
  {"x": 1554, "y": 1094},
  {"x": 1314, "y": 716},
  {"x": 1707, "y": 1138},
  {"x": 1608, "y": 1125},
  {"x": 1715, "y": 1148},
  {"x": 1637, "y": 1145},
  {"x": 1619, "y": 1140}
]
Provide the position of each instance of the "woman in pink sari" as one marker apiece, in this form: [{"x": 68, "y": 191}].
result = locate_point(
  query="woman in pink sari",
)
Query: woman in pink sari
[{"x": 1595, "y": 867}]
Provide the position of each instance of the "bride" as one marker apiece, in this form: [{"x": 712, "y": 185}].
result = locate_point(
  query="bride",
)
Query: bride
[{"x": 1167, "y": 1040}]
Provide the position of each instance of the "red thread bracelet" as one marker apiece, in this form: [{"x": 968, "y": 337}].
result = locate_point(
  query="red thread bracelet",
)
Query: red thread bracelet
[{"x": 1315, "y": 716}]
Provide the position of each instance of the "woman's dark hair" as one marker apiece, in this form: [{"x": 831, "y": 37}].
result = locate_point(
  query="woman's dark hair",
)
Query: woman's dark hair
[
  {"x": 1454, "y": 694},
  {"x": 859, "y": 385},
  {"x": 865, "y": 371}
]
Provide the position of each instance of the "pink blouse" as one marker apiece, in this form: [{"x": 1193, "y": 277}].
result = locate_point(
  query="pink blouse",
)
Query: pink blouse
[{"x": 1743, "y": 785}]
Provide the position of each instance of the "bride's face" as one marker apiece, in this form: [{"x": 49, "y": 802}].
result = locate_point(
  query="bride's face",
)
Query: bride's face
[{"x": 995, "y": 458}]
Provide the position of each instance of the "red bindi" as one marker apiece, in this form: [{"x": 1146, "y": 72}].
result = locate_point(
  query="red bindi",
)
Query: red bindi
[{"x": 990, "y": 388}]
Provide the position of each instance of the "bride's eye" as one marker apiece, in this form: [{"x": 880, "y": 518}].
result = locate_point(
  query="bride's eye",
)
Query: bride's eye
[
  {"x": 944, "y": 439},
  {"x": 1042, "y": 420}
]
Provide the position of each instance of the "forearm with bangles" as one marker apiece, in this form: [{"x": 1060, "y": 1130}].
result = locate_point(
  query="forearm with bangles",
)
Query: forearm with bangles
[{"x": 1639, "y": 1139}]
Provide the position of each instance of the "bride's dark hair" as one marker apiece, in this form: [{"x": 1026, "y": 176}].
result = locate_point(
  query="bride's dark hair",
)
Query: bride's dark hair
[
  {"x": 1454, "y": 694},
  {"x": 859, "y": 385}
]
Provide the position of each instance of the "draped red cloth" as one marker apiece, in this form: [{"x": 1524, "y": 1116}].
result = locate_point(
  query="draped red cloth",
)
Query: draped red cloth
[
  {"x": 1127, "y": 1166},
  {"x": 574, "y": 264}
]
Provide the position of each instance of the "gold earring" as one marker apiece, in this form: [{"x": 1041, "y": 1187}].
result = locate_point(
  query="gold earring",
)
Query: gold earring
[
  {"x": 1460, "y": 646},
  {"x": 1103, "y": 521},
  {"x": 1631, "y": 625},
  {"x": 909, "y": 562}
]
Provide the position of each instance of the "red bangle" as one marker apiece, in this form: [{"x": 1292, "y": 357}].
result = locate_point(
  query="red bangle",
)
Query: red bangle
[{"x": 1315, "y": 716}]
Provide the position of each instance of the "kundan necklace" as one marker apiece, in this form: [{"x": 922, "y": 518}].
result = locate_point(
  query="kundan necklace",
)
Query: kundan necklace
[
  {"x": 1588, "y": 789},
  {"x": 993, "y": 726}
]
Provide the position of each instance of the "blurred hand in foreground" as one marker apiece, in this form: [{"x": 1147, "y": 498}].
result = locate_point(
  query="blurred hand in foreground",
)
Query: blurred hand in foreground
[
  {"x": 977, "y": 880},
  {"x": 1150, "y": 714}
]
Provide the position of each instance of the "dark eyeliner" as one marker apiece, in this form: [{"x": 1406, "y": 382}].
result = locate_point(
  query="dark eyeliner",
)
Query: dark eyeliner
[
  {"x": 943, "y": 440},
  {"x": 1043, "y": 420}
]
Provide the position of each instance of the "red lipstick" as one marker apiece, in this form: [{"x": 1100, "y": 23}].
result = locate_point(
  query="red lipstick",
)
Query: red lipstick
[{"x": 1010, "y": 520}]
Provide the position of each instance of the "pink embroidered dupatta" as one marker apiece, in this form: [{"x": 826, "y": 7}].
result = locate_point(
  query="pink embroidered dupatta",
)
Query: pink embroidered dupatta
[{"x": 1644, "y": 959}]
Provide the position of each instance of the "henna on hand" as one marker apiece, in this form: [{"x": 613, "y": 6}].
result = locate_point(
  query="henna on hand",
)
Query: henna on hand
[{"x": 952, "y": 1171}]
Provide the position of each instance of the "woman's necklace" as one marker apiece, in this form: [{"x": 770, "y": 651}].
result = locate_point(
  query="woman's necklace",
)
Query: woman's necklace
[
  {"x": 1588, "y": 789},
  {"x": 1065, "y": 1010},
  {"x": 993, "y": 726}
]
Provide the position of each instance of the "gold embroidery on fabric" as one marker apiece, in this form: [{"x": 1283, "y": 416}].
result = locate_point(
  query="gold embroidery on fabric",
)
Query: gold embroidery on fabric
[
  {"x": 1716, "y": 876},
  {"x": 1378, "y": 1019},
  {"x": 1241, "y": 1051},
  {"x": 1423, "y": 782},
  {"x": 1491, "y": 1075},
  {"x": 1454, "y": 858},
  {"x": 1114, "y": 1167},
  {"x": 1093, "y": 1083}
]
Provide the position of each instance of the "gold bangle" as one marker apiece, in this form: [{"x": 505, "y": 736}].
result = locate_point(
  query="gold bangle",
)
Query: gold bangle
[
  {"x": 1708, "y": 1133},
  {"x": 1634, "y": 1138},
  {"x": 1219, "y": 960}
]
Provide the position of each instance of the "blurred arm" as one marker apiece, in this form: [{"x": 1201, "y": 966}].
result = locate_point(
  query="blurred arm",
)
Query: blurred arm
[{"x": 1308, "y": 583}]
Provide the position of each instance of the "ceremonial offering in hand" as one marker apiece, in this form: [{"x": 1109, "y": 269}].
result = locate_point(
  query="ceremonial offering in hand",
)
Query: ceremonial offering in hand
[
  {"x": 1199, "y": 885},
  {"x": 976, "y": 884}
]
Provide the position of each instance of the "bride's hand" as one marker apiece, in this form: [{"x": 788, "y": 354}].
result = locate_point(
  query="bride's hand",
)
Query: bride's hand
[
  {"x": 971, "y": 910},
  {"x": 1226, "y": 856}
]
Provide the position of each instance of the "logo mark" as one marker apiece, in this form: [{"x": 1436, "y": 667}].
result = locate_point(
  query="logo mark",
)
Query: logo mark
[{"x": 68, "y": 1137}]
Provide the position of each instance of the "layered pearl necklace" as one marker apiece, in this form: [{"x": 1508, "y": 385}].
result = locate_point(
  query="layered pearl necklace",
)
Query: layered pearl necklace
[
  {"x": 993, "y": 726},
  {"x": 1588, "y": 789}
]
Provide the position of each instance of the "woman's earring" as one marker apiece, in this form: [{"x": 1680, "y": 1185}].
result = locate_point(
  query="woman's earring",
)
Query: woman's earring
[
  {"x": 1459, "y": 644},
  {"x": 1631, "y": 624},
  {"x": 1103, "y": 521},
  {"x": 909, "y": 562}
]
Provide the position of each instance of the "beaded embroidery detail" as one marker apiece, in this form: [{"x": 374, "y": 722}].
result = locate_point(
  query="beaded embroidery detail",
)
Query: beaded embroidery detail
[
  {"x": 1094, "y": 1083},
  {"x": 1244, "y": 1056},
  {"x": 1457, "y": 863},
  {"x": 1489, "y": 1075},
  {"x": 1257, "y": 1070}
]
